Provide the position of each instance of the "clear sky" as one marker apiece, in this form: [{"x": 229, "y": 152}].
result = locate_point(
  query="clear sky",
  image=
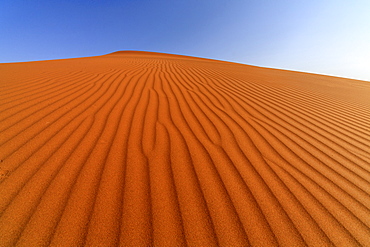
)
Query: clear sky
[{"x": 320, "y": 36}]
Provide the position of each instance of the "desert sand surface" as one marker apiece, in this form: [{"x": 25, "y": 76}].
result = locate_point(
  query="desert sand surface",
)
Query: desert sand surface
[{"x": 151, "y": 149}]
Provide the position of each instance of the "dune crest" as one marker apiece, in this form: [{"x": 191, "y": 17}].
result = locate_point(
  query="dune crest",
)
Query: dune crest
[{"x": 151, "y": 149}]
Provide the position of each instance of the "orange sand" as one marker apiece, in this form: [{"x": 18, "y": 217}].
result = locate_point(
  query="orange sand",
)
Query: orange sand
[{"x": 149, "y": 149}]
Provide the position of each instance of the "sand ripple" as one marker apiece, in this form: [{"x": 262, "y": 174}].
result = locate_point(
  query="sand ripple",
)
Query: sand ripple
[{"x": 149, "y": 149}]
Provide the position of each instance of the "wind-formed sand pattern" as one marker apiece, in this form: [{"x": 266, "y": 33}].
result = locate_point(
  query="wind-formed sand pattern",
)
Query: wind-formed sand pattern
[{"x": 149, "y": 149}]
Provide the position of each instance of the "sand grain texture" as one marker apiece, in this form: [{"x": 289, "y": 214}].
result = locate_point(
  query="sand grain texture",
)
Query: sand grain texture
[{"x": 150, "y": 149}]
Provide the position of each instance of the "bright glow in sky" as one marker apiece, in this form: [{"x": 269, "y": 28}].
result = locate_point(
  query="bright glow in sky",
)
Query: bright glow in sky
[{"x": 326, "y": 37}]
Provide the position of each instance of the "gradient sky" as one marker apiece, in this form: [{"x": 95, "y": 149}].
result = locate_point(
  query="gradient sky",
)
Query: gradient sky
[{"x": 320, "y": 36}]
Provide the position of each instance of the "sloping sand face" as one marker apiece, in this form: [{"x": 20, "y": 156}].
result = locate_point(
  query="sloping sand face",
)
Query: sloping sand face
[{"x": 148, "y": 149}]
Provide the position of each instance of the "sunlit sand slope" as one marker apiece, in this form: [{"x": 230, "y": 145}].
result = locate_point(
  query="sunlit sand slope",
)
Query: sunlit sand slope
[{"x": 148, "y": 149}]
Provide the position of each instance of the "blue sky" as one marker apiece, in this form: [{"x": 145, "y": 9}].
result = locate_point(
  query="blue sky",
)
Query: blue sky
[{"x": 320, "y": 36}]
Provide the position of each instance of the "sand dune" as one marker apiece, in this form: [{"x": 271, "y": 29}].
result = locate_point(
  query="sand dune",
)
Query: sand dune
[{"x": 150, "y": 149}]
